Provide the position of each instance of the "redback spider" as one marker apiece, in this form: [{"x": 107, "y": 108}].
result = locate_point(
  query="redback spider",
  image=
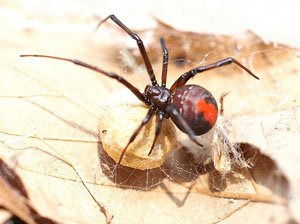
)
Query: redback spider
[{"x": 192, "y": 108}]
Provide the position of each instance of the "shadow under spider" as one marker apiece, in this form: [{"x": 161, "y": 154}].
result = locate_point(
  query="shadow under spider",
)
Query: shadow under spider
[
  {"x": 263, "y": 171},
  {"x": 181, "y": 168},
  {"x": 125, "y": 177},
  {"x": 178, "y": 168}
]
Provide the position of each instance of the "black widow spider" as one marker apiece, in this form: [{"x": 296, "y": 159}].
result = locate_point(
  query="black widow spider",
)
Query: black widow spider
[{"x": 192, "y": 108}]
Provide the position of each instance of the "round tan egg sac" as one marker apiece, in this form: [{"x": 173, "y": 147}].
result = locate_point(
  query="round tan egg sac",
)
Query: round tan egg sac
[{"x": 118, "y": 123}]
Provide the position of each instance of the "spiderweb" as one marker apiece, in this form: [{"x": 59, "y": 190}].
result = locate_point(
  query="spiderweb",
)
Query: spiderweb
[{"x": 49, "y": 133}]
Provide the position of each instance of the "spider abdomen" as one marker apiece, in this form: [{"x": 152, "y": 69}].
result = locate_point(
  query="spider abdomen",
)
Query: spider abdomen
[{"x": 197, "y": 107}]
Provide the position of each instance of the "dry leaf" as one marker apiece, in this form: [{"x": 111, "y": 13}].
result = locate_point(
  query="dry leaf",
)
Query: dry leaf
[
  {"x": 49, "y": 139},
  {"x": 4, "y": 215}
]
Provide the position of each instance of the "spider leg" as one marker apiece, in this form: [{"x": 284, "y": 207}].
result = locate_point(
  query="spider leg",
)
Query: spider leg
[
  {"x": 222, "y": 102},
  {"x": 186, "y": 76},
  {"x": 139, "y": 43},
  {"x": 173, "y": 112},
  {"x": 136, "y": 132},
  {"x": 157, "y": 130},
  {"x": 165, "y": 62},
  {"x": 112, "y": 75}
]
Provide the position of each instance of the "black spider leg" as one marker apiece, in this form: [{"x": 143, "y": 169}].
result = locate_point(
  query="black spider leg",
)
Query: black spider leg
[
  {"x": 163, "y": 84},
  {"x": 171, "y": 110},
  {"x": 186, "y": 76},
  {"x": 165, "y": 62},
  {"x": 120, "y": 79},
  {"x": 136, "y": 132},
  {"x": 221, "y": 100},
  {"x": 139, "y": 43},
  {"x": 157, "y": 129}
]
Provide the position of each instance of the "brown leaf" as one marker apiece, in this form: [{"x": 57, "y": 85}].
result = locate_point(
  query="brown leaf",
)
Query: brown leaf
[
  {"x": 4, "y": 215},
  {"x": 15, "y": 198},
  {"x": 49, "y": 138}
]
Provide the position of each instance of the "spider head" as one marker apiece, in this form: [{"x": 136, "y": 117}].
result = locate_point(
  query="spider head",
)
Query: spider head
[
  {"x": 152, "y": 91},
  {"x": 158, "y": 95}
]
